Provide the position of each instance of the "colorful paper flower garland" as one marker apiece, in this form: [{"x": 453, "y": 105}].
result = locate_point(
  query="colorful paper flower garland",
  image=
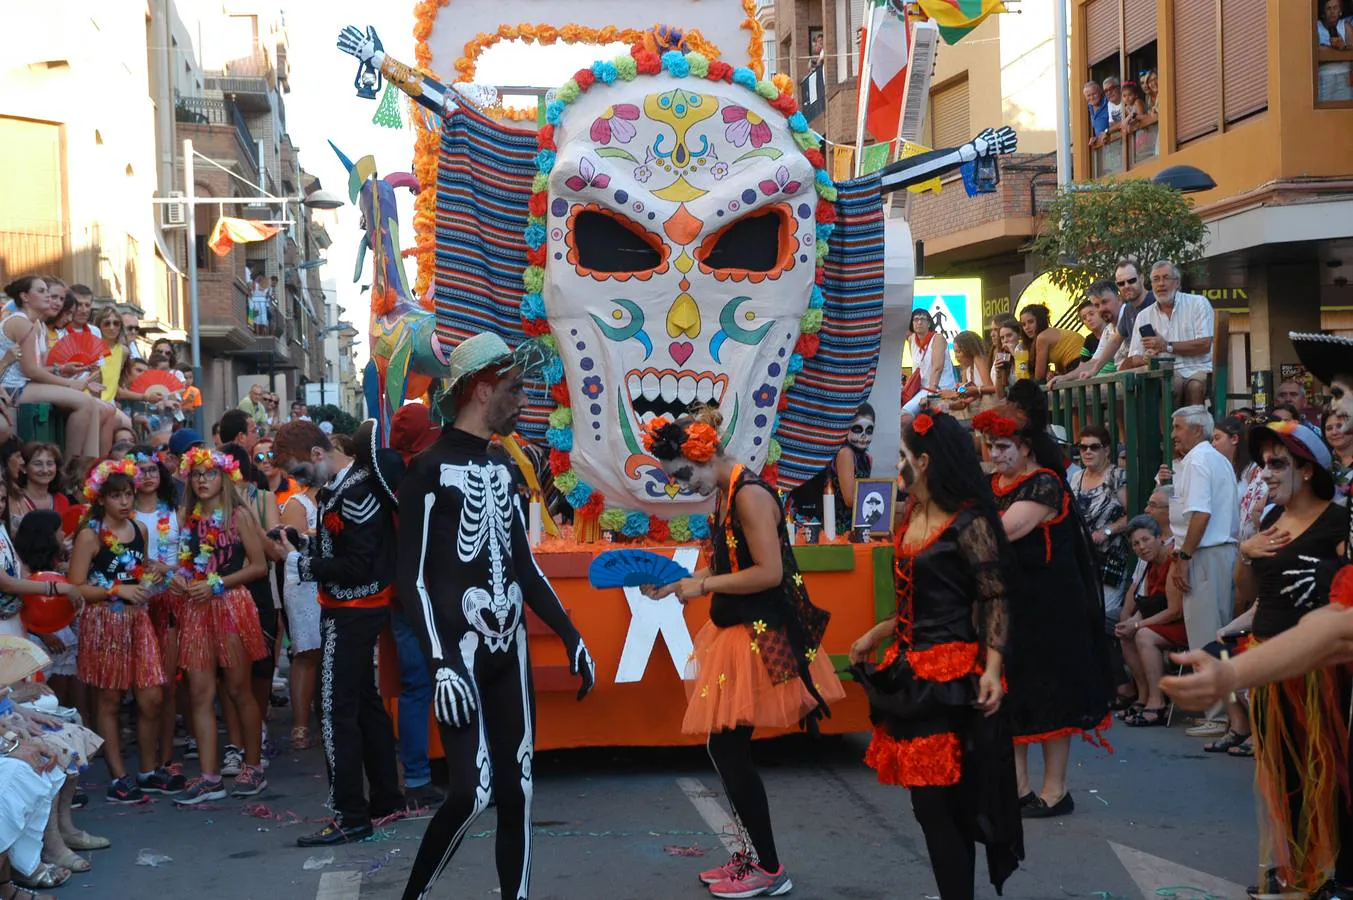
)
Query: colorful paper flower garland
[{"x": 580, "y": 495}]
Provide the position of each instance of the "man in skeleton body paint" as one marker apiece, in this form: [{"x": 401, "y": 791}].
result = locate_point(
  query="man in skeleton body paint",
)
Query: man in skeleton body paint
[{"x": 469, "y": 604}]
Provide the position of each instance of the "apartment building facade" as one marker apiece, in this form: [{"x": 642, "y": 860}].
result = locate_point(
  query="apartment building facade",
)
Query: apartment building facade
[{"x": 1243, "y": 92}]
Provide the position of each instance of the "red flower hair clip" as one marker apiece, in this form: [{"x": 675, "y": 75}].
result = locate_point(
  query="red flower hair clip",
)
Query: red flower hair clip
[
  {"x": 655, "y": 425},
  {"x": 922, "y": 423},
  {"x": 994, "y": 424}
]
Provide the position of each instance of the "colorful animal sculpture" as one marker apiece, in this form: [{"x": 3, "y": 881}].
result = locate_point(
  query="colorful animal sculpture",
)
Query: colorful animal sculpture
[{"x": 406, "y": 356}]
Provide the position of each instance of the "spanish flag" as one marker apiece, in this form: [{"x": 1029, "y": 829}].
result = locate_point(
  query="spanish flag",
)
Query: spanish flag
[
  {"x": 229, "y": 232},
  {"x": 956, "y": 18}
]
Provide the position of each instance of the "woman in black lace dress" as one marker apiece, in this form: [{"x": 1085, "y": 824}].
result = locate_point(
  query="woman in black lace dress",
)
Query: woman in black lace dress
[
  {"x": 940, "y": 729},
  {"x": 1060, "y": 681}
]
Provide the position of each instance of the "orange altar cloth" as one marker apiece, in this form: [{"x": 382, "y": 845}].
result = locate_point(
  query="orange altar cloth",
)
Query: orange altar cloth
[{"x": 852, "y": 581}]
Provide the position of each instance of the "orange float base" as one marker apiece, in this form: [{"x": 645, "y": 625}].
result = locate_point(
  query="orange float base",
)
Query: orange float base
[{"x": 852, "y": 581}]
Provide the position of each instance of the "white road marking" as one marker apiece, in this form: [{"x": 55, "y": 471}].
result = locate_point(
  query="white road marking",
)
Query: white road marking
[
  {"x": 339, "y": 886},
  {"x": 712, "y": 811},
  {"x": 1151, "y": 873}
]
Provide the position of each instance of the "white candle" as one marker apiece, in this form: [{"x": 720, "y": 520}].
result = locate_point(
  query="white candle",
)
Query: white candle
[
  {"x": 829, "y": 515},
  {"x": 789, "y": 526},
  {"x": 535, "y": 523}
]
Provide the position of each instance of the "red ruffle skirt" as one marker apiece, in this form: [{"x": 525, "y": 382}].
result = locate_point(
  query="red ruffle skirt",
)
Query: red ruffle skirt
[
  {"x": 206, "y": 629},
  {"x": 118, "y": 648}
]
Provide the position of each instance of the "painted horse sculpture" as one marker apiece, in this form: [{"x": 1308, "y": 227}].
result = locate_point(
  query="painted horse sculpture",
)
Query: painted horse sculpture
[{"x": 406, "y": 356}]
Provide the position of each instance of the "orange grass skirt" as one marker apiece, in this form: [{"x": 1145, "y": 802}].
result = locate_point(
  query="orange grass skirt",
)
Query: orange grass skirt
[
  {"x": 118, "y": 648},
  {"x": 728, "y": 685},
  {"x": 206, "y": 629}
]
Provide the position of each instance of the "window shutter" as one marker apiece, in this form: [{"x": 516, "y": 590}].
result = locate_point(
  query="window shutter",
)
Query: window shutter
[
  {"x": 1101, "y": 30},
  {"x": 1244, "y": 61},
  {"x": 1139, "y": 23},
  {"x": 1196, "y": 95},
  {"x": 949, "y": 116}
]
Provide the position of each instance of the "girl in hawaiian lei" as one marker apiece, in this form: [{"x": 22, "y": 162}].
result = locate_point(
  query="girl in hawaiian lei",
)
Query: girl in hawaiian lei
[
  {"x": 154, "y": 509},
  {"x": 757, "y": 662},
  {"x": 220, "y": 553},
  {"x": 1060, "y": 680},
  {"x": 118, "y": 647},
  {"x": 936, "y": 699}
]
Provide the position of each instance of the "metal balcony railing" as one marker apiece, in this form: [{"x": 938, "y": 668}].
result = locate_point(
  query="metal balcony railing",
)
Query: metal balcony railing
[{"x": 204, "y": 111}]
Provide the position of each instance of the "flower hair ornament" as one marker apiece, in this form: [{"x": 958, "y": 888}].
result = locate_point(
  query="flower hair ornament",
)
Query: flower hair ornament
[
  {"x": 202, "y": 458},
  {"x": 922, "y": 424},
  {"x": 666, "y": 440},
  {"x": 1002, "y": 422},
  {"x": 96, "y": 479}
]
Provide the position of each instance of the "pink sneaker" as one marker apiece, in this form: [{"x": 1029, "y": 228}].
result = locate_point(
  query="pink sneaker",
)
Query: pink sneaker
[
  {"x": 753, "y": 881},
  {"x": 728, "y": 869}
]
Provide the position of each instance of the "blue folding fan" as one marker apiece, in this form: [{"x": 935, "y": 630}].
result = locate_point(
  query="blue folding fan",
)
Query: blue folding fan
[{"x": 633, "y": 568}]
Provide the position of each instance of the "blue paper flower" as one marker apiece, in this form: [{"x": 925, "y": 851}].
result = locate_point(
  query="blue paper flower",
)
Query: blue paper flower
[
  {"x": 745, "y": 77},
  {"x": 532, "y": 306},
  {"x": 636, "y": 525},
  {"x": 676, "y": 64},
  {"x": 816, "y": 299},
  {"x": 555, "y": 111},
  {"x": 560, "y": 438},
  {"x": 825, "y": 230},
  {"x": 795, "y": 364},
  {"x": 553, "y": 371},
  {"x": 535, "y": 235},
  {"x": 579, "y": 495},
  {"x": 798, "y": 123},
  {"x": 823, "y": 178},
  {"x": 545, "y": 160},
  {"x": 605, "y": 71},
  {"x": 700, "y": 527}
]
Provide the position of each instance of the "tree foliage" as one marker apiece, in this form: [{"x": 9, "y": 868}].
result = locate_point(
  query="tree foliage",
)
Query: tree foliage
[
  {"x": 343, "y": 422},
  {"x": 1087, "y": 230}
]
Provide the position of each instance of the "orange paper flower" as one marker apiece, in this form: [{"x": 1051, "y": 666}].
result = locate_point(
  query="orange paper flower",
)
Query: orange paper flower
[{"x": 701, "y": 442}]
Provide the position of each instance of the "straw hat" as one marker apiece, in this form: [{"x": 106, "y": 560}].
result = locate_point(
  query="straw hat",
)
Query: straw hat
[{"x": 472, "y": 356}]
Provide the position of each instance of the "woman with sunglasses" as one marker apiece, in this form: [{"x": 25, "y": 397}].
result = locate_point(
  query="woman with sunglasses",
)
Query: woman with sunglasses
[
  {"x": 1100, "y": 490},
  {"x": 278, "y": 482},
  {"x": 1299, "y": 723}
]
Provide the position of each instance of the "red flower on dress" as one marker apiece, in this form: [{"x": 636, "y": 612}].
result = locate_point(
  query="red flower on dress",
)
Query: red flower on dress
[
  {"x": 333, "y": 523},
  {"x": 922, "y": 423}
]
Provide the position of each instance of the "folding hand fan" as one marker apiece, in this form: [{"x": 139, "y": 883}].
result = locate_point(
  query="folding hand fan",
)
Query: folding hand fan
[
  {"x": 79, "y": 347},
  {"x": 633, "y": 568},
  {"x": 167, "y": 382}
]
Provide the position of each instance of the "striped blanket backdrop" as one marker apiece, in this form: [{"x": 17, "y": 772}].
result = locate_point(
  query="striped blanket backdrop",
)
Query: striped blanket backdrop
[{"x": 838, "y": 379}]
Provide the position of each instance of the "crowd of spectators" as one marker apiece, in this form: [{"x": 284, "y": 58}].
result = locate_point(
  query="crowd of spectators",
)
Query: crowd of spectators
[{"x": 1120, "y": 106}]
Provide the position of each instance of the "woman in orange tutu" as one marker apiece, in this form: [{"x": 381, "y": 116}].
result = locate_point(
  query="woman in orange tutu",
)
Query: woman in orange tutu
[
  {"x": 220, "y": 553},
  {"x": 118, "y": 648},
  {"x": 756, "y": 664}
]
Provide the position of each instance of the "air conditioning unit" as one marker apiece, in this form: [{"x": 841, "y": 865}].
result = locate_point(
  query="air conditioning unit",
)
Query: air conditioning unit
[
  {"x": 174, "y": 215},
  {"x": 925, "y": 45}
]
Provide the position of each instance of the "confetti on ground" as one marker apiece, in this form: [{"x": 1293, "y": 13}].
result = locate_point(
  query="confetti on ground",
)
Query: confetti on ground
[{"x": 692, "y": 850}]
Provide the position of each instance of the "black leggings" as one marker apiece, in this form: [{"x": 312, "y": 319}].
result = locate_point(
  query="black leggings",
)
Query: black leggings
[
  {"x": 731, "y": 752},
  {"x": 953, "y": 853},
  {"x": 491, "y": 757}
]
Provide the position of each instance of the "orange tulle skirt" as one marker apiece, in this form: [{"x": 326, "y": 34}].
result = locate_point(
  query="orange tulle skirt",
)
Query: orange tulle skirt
[
  {"x": 118, "y": 648},
  {"x": 206, "y": 629},
  {"x": 728, "y": 685}
]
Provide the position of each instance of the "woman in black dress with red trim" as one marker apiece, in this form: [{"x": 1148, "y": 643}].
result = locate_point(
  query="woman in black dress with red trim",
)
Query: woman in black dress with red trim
[
  {"x": 1061, "y": 683},
  {"x": 936, "y": 699}
]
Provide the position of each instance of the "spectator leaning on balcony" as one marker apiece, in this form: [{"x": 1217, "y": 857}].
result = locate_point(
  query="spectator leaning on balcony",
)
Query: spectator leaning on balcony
[
  {"x": 1098, "y": 105},
  {"x": 1134, "y": 102},
  {"x": 1113, "y": 92},
  {"x": 1181, "y": 329},
  {"x": 1205, "y": 520}
]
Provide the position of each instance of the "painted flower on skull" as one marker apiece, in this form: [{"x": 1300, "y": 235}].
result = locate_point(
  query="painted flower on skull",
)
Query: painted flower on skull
[
  {"x": 764, "y": 396},
  {"x": 592, "y": 388},
  {"x": 745, "y": 125},
  {"x": 615, "y": 123},
  {"x": 587, "y": 176},
  {"x": 782, "y": 183}
]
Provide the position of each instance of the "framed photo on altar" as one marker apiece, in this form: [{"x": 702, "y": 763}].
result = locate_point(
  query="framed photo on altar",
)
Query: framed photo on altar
[{"x": 874, "y": 501}]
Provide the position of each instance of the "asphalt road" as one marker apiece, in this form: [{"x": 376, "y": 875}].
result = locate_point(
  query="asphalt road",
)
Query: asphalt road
[{"x": 1157, "y": 814}]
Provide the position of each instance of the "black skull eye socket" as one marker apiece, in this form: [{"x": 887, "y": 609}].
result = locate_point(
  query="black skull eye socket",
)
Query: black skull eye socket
[
  {"x": 606, "y": 244},
  {"x": 751, "y": 244}
]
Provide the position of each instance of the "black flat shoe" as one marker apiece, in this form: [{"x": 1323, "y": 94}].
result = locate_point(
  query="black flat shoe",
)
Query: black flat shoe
[
  {"x": 332, "y": 834},
  {"x": 1040, "y": 809},
  {"x": 1028, "y": 799}
]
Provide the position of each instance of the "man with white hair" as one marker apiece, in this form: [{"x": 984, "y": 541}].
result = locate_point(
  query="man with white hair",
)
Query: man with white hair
[
  {"x": 1204, "y": 520},
  {"x": 1177, "y": 327}
]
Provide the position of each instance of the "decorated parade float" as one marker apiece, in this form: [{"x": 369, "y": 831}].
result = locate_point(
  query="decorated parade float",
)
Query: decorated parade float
[{"x": 667, "y": 232}]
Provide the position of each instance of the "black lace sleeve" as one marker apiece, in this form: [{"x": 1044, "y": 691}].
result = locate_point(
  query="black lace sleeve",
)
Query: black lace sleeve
[
  {"x": 991, "y": 608},
  {"x": 1042, "y": 488}
]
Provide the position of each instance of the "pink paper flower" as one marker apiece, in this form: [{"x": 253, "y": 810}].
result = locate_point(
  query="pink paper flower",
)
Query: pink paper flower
[
  {"x": 743, "y": 124},
  {"x": 587, "y": 176}
]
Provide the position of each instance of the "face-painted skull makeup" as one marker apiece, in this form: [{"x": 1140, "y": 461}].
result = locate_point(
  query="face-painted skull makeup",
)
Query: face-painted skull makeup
[
  {"x": 861, "y": 433},
  {"x": 680, "y": 260}
]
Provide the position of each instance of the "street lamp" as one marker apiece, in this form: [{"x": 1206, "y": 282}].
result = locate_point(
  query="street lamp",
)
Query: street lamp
[
  {"x": 1185, "y": 179},
  {"x": 318, "y": 200}
]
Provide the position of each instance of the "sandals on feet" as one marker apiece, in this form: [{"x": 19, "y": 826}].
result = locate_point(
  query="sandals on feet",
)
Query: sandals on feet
[
  {"x": 69, "y": 859},
  {"x": 300, "y": 738},
  {"x": 1224, "y": 743},
  {"x": 1243, "y": 750},
  {"x": 45, "y": 877},
  {"x": 22, "y": 893},
  {"x": 1146, "y": 717},
  {"x": 1124, "y": 702},
  {"x": 1133, "y": 709},
  {"x": 83, "y": 840}
]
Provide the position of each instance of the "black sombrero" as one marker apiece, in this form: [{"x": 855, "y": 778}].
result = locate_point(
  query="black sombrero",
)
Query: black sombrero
[
  {"x": 386, "y": 464},
  {"x": 1324, "y": 355}
]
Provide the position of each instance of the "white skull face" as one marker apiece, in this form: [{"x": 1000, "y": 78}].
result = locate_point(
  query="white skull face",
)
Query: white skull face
[
  {"x": 680, "y": 259},
  {"x": 861, "y": 433}
]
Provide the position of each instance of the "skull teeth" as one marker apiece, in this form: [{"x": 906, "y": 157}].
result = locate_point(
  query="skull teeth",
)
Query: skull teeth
[{"x": 670, "y": 393}]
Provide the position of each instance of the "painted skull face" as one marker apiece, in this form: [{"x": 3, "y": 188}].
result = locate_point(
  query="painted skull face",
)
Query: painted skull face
[
  {"x": 681, "y": 258},
  {"x": 861, "y": 433}
]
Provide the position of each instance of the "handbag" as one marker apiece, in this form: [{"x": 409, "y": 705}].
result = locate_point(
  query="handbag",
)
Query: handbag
[{"x": 912, "y": 386}]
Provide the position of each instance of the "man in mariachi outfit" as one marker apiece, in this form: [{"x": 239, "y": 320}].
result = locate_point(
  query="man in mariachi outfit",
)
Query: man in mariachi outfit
[
  {"x": 466, "y": 578},
  {"x": 352, "y": 557}
]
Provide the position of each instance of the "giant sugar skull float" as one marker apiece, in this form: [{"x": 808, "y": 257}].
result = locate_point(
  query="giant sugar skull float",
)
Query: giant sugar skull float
[{"x": 671, "y": 234}]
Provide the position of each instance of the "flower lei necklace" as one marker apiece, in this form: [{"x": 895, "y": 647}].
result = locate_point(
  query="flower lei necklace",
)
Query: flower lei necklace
[
  {"x": 195, "y": 568},
  {"x": 127, "y": 561}
]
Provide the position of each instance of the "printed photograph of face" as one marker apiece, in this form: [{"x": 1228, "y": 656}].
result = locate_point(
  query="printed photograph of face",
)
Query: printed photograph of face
[{"x": 874, "y": 506}]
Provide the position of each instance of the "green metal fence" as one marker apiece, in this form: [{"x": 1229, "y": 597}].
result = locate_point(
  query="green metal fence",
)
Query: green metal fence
[{"x": 1136, "y": 407}]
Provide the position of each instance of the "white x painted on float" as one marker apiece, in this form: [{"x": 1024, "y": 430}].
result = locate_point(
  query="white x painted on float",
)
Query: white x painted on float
[{"x": 650, "y": 618}]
